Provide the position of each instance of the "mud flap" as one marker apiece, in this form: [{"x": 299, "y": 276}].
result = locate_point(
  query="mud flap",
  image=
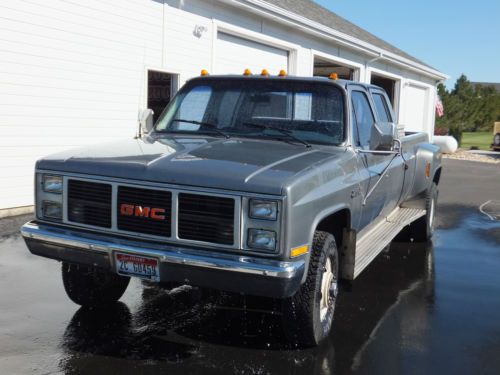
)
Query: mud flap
[{"x": 348, "y": 254}]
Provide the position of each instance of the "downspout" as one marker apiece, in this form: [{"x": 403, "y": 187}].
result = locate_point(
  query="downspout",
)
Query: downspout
[{"x": 369, "y": 62}]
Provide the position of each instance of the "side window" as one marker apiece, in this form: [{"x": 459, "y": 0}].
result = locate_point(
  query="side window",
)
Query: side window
[
  {"x": 382, "y": 110},
  {"x": 364, "y": 117}
]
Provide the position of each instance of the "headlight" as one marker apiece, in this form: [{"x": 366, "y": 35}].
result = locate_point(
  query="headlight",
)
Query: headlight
[
  {"x": 52, "y": 210},
  {"x": 52, "y": 184},
  {"x": 262, "y": 239},
  {"x": 264, "y": 210}
]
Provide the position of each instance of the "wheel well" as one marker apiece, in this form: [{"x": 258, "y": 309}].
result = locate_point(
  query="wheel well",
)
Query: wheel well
[
  {"x": 437, "y": 176},
  {"x": 335, "y": 224}
]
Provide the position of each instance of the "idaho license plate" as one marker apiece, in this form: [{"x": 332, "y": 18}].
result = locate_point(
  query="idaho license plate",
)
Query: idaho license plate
[{"x": 137, "y": 266}]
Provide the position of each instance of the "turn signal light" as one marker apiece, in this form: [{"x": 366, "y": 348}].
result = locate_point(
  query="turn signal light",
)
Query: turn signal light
[
  {"x": 334, "y": 76},
  {"x": 298, "y": 251},
  {"x": 204, "y": 73},
  {"x": 265, "y": 73},
  {"x": 283, "y": 73},
  {"x": 247, "y": 72}
]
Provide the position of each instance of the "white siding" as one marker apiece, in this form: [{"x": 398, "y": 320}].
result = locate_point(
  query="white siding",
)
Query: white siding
[
  {"x": 73, "y": 72},
  {"x": 233, "y": 55}
]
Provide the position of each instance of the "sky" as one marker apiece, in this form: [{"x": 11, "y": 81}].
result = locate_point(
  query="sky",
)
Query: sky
[{"x": 453, "y": 36}]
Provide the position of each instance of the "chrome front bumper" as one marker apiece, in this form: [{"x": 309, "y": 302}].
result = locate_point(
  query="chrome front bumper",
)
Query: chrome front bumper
[{"x": 230, "y": 272}]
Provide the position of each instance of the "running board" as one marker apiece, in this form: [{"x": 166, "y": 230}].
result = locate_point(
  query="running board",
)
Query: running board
[{"x": 377, "y": 238}]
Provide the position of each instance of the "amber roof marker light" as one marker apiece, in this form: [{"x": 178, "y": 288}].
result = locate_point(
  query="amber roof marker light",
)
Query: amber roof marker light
[
  {"x": 283, "y": 73},
  {"x": 204, "y": 73},
  {"x": 247, "y": 72},
  {"x": 265, "y": 73}
]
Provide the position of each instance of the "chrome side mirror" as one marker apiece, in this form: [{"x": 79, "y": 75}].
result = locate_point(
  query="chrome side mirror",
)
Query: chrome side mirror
[
  {"x": 146, "y": 121},
  {"x": 383, "y": 136}
]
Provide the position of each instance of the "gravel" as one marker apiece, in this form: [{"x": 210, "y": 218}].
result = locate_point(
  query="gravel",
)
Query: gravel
[{"x": 470, "y": 156}]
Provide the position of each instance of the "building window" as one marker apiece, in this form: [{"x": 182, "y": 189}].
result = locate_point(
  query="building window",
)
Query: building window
[
  {"x": 389, "y": 85},
  {"x": 161, "y": 88},
  {"x": 324, "y": 67}
]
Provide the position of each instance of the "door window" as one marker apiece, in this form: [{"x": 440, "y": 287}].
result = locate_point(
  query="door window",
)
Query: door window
[{"x": 364, "y": 118}]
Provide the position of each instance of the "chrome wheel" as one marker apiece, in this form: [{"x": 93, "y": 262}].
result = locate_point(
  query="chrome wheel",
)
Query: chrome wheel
[
  {"x": 432, "y": 213},
  {"x": 329, "y": 288}
]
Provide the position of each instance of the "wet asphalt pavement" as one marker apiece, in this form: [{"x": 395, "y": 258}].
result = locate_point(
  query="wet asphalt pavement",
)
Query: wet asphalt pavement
[{"x": 418, "y": 309}]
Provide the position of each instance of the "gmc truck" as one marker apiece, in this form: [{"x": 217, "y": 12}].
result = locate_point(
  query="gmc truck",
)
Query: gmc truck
[{"x": 268, "y": 186}]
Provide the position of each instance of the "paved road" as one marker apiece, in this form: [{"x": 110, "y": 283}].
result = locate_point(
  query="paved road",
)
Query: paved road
[
  {"x": 419, "y": 309},
  {"x": 493, "y": 154}
]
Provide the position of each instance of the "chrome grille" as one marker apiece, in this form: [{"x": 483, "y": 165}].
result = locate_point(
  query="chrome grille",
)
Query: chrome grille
[
  {"x": 186, "y": 217},
  {"x": 89, "y": 203},
  {"x": 206, "y": 218}
]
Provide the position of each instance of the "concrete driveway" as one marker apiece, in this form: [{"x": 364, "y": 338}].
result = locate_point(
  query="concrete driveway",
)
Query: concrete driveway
[{"x": 418, "y": 309}]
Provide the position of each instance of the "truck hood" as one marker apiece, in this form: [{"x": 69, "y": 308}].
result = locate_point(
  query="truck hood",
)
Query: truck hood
[{"x": 258, "y": 166}]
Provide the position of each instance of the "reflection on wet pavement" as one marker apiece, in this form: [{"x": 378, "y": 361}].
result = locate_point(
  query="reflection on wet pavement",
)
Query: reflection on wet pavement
[
  {"x": 417, "y": 309},
  {"x": 225, "y": 333}
]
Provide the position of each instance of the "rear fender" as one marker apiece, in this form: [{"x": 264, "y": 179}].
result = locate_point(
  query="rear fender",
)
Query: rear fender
[{"x": 428, "y": 162}]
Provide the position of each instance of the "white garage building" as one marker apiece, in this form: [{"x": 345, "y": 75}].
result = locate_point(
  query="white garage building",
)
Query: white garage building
[{"x": 78, "y": 72}]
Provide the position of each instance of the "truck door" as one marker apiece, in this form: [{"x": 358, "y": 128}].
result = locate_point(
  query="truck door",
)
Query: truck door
[
  {"x": 393, "y": 181},
  {"x": 369, "y": 166}
]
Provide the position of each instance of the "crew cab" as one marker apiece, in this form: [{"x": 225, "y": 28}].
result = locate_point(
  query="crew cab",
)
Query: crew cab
[{"x": 268, "y": 186}]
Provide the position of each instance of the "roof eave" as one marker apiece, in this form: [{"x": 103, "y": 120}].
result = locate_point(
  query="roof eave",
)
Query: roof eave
[{"x": 286, "y": 17}]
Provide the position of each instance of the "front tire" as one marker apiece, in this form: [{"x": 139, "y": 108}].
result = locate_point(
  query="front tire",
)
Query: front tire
[
  {"x": 89, "y": 286},
  {"x": 308, "y": 315}
]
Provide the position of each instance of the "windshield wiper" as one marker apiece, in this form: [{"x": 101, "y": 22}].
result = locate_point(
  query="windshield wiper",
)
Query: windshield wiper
[
  {"x": 207, "y": 124},
  {"x": 285, "y": 132}
]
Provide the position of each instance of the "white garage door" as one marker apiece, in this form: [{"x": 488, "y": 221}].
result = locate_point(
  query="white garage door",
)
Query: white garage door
[
  {"x": 233, "y": 55},
  {"x": 416, "y": 99}
]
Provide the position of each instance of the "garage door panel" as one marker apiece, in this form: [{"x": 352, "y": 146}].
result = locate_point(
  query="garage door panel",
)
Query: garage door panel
[
  {"x": 416, "y": 108},
  {"x": 234, "y": 55}
]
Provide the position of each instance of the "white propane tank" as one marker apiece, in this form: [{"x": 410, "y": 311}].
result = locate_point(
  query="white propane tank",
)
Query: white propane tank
[{"x": 447, "y": 143}]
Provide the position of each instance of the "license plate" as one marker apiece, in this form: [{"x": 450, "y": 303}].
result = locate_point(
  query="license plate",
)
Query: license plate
[{"x": 137, "y": 266}]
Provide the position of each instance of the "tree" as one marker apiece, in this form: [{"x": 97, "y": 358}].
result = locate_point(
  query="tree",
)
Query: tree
[{"x": 468, "y": 108}]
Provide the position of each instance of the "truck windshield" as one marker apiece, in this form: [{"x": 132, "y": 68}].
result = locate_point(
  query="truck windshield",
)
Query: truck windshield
[{"x": 295, "y": 110}]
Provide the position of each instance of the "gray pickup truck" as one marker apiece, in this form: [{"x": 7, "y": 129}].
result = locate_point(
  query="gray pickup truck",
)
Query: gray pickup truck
[{"x": 267, "y": 186}]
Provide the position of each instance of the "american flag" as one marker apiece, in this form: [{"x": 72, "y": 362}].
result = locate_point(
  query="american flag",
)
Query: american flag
[{"x": 439, "y": 107}]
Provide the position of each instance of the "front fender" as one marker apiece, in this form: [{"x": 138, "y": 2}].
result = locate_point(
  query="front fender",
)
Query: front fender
[{"x": 322, "y": 215}]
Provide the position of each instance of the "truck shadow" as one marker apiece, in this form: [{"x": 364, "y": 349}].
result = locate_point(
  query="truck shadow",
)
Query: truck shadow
[{"x": 227, "y": 333}]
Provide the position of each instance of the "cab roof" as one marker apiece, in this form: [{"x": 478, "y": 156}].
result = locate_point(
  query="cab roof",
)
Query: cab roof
[{"x": 343, "y": 83}]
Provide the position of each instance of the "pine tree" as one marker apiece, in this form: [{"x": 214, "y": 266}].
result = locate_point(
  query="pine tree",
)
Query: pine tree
[{"x": 468, "y": 108}]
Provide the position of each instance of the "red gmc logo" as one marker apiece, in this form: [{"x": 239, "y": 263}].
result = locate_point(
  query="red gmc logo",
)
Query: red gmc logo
[{"x": 139, "y": 211}]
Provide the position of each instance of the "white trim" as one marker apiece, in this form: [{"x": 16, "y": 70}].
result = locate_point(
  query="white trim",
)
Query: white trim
[
  {"x": 254, "y": 36},
  {"x": 381, "y": 72},
  {"x": 359, "y": 69},
  {"x": 283, "y": 16},
  {"x": 173, "y": 88},
  {"x": 243, "y": 33}
]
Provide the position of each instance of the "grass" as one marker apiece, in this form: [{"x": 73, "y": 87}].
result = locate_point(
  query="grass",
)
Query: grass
[{"x": 481, "y": 140}]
